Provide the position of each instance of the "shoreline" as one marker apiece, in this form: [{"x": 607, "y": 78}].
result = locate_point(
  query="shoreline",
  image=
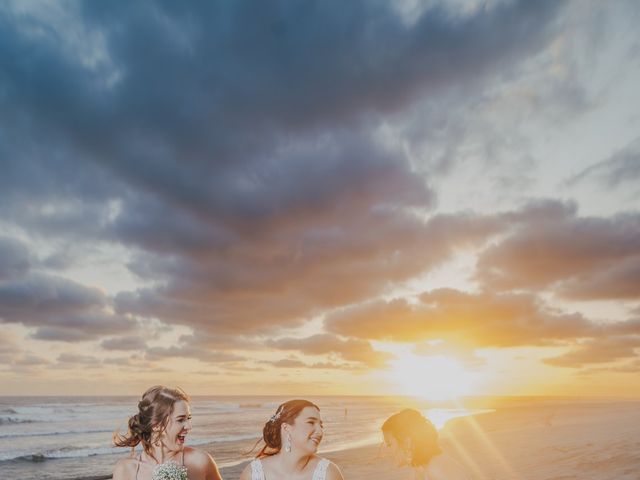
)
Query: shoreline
[{"x": 537, "y": 442}]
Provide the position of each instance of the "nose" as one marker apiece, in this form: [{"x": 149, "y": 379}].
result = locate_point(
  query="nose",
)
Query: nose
[{"x": 187, "y": 425}]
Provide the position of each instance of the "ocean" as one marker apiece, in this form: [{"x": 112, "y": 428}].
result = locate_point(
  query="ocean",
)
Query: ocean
[{"x": 56, "y": 438}]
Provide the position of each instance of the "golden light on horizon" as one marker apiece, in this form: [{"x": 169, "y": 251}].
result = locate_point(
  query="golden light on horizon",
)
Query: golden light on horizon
[{"x": 435, "y": 377}]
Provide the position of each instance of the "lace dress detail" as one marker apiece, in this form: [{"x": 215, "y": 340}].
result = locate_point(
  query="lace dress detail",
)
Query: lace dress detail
[
  {"x": 320, "y": 473},
  {"x": 140, "y": 461},
  {"x": 256, "y": 470}
]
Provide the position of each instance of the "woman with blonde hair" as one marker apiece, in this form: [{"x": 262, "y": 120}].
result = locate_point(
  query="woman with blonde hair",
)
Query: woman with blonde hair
[
  {"x": 161, "y": 426},
  {"x": 413, "y": 441},
  {"x": 291, "y": 438}
]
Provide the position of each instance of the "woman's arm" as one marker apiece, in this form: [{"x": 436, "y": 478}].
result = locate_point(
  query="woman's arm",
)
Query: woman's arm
[
  {"x": 212, "y": 469},
  {"x": 202, "y": 465}
]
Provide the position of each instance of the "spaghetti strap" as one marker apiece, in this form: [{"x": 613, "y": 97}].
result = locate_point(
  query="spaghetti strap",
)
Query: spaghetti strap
[
  {"x": 183, "y": 457},
  {"x": 138, "y": 466}
]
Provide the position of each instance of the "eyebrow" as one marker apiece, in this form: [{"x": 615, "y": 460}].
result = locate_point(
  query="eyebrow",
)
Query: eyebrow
[{"x": 314, "y": 418}]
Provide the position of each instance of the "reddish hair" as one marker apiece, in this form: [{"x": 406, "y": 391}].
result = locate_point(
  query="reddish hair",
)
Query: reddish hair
[{"x": 285, "y": 413}]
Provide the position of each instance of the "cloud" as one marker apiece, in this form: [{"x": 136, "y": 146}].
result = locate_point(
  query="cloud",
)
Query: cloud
[
  {"x": 621, "y": 282},
  {"x": 29, "y": 361},
  {"x": 598, "y": 350},
  {"x": 223, "y": 133},
  {"x": 571, "y": 255},
  {"x": 124, "y": 343},
  {"x": 350, "y": 349},
  {"x": 627, "y": 367},
  {"x": 288, "y": 363},
  {"x": 296, "y": 363},
  {"x": 621, "y": 167},
  {"x": 8, "y": 348},
  {"x": 249, "y": 193},
  {"x": 76, "y": 359},
  {"x": 59, "y": 308},
  {"x": 15, "y": 260},
  {"x": 186, "y": 351},
  {"x": 282, "y": 279},
  {"x": 471, "y": 320}
]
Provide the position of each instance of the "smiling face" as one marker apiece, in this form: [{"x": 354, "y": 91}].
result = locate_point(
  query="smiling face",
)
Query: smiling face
[
  {"x": 306, "y": 431},
  {"x": 178, "y": 426}
]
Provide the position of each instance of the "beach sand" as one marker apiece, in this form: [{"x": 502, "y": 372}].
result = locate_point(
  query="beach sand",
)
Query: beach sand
[{"x": 585, "y": 441}]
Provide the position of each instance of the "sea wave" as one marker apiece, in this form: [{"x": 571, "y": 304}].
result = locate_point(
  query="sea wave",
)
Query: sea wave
[
  {"x": 51, "y": 433},
  {"x": 67, "y": 452},
  {"x": 14, "y": 421},
  {"x": 83, "y": 452}
]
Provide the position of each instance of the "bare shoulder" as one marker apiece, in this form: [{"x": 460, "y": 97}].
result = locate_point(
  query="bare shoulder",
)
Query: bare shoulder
[
  {"x": 196, "y": 458},
  {"x": 125, "y": 468},
  {"x": 333, "y": 472},
  {"x": 201, "y": 463}
]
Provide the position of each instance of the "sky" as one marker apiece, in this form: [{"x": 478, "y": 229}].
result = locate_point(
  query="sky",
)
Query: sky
[{"x": 323, "y": 197}]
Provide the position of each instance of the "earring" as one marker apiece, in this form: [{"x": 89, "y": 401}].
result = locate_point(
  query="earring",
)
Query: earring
[{"x": 287, "y": 443}]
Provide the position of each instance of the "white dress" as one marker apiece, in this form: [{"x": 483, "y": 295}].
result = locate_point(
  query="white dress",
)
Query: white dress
[{"x": 320, "y": 473}]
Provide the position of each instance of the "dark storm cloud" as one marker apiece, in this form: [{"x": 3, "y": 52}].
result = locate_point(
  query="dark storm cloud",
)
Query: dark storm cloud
[
  {"x": 59, "y": 309},
  {"x": 234, "y": 148},
  {"x": 15, "y": 260},
  {"x": 281, "y": 279},
  {"x": 219, "y": 109}
]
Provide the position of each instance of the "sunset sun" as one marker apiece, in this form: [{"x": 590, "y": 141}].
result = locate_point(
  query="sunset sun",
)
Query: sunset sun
[{"x": 433, "y": 377}]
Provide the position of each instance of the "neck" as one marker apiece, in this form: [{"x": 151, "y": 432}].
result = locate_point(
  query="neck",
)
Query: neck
[{"x": 161, "y": 453}]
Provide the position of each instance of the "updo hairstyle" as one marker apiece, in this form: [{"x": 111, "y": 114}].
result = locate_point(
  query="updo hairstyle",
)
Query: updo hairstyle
[
  {"x": 271, "y": 433},
  {"x": 154, "y": 410}
]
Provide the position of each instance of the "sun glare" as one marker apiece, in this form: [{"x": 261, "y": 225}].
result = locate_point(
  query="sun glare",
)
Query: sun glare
[{"x": 433, "y": 377}]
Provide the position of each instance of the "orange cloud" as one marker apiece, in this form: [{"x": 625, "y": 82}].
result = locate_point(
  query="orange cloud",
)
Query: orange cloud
[
  {"x": 597, "y": 350},
  {"x": 476, "y": 320}
]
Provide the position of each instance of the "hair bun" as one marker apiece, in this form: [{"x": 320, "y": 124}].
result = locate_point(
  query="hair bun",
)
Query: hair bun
[{"x": 271, "y": 434}]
